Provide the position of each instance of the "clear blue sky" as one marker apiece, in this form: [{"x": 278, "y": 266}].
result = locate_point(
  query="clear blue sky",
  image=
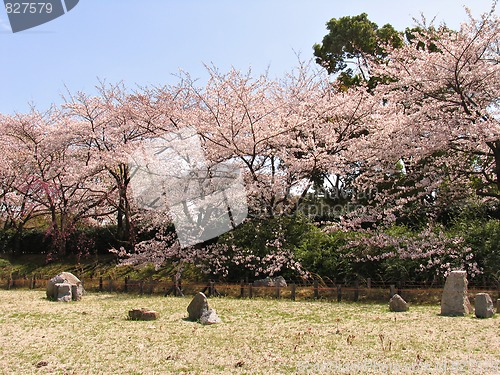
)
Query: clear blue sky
[{"x": 146, "y": 42}]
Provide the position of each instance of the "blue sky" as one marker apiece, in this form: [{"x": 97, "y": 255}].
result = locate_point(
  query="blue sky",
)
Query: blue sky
[{"x": 147, "y": 42}]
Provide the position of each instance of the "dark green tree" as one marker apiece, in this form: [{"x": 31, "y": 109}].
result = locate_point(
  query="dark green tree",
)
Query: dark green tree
[{"x": 350, "y": 45}]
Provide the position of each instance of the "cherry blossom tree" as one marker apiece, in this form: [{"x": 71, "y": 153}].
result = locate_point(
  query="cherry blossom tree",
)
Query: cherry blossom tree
[
  {"x": 42, "y": 174},
  {"x": 110, "y": 125},
  {"x": 284, "y": 134},
  {"x": 438, "y": 132}
]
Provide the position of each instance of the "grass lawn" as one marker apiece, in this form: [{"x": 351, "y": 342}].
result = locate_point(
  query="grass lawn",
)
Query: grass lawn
[{"x": 257, "y": 336}]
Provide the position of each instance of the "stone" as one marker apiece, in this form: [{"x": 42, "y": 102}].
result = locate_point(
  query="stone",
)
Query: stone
[
  {"x": 269, "y": 282},
  {"x": 75, "y": 285},
  {"x": 198, "y": 310},
  {"x": 198, "y": 306},
  {"x": 63, "y": 292},
  {"x": 280, "y": 281},
  {"x": 143, "y": 314},
  {"x": 483, "y": 306},
  {"x": 454, "y": 301},
  {"x": 210, "y": 317},
  {"x": 75, "y": 292},
  {"x": 398, "y": 304}
]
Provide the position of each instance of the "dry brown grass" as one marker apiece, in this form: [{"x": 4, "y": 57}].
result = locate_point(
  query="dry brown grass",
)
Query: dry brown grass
[{"x": 93, "y": 336}]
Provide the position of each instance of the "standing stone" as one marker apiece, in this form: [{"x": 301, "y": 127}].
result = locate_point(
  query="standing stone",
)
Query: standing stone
[
  {"x": 483, "y": 305},
  {"x": 454, "y": 301},
  {"x": 398, "y": 304},
  {"x": 198, "y": 305},
  {"x": 198, "y": 310}
]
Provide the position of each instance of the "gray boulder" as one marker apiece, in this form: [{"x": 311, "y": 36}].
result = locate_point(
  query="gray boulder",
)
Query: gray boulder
[
  {"x": 454, "y": 301},
  {"x": 398, "y": 304},
  {"x": 270, "y": 282},
  {"x": 57, "y": 288},
  {"x": 483, "y": 306}
]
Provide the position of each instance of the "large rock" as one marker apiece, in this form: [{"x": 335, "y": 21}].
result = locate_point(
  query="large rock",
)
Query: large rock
[
  {"x": 454, "y": 301},
  {"x": 57, "y": 292},
  {"x": 269, "y": 282},
  {"x": 398, "y": 304},
  {"x": 483, "y": 306},
  {"x": 198, "y": 310}
]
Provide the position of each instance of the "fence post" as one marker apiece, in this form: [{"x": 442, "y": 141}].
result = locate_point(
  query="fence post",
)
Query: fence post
[
  {"x": 100, "y": 284},
  {"x": 33, "y": 282},
  {"x": 250, "y": 290},
  {"x": 393, "y": 290},
  {"x": 399, "y": 288},
  {"x": 125, "y": 284},
  {"x": 141, "y": 287},
  {"x": 242, "y": 289},
  {"x": 151, "y": 286},
  {"x": 292, "y": 296},
  {"x": 339, "y": 293},
  {"x": 356, "y": 291},
  {"x": 278, "y": 292},
  {"x": 316, "y": 289}
]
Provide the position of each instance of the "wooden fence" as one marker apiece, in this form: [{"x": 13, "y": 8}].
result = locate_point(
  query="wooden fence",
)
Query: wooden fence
[{"x": 354, "y": 292}]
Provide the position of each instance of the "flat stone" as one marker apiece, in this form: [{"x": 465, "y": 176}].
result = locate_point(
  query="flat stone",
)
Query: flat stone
[
  {"x": 454, "y": 301},
  {"x": 143, "y": 314},
  {"x": 483, "y": 306},
  {"x": 398, "y": 304}
]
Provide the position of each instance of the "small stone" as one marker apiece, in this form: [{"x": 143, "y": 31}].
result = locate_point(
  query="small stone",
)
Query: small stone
[
  {"x": 41, "y": 364},
  {"x": 210, "y": 317},
  {"x": 483, "y": 305},
  {"x": 454, "y": 301},
  {"x": 398, "y": 304},
  {"x": 143, "y": 314}
]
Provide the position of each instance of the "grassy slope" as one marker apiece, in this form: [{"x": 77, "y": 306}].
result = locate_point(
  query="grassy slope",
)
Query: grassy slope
[
  {"x": 106, "y": 266},
  {"x": 93, "y": 336}
]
